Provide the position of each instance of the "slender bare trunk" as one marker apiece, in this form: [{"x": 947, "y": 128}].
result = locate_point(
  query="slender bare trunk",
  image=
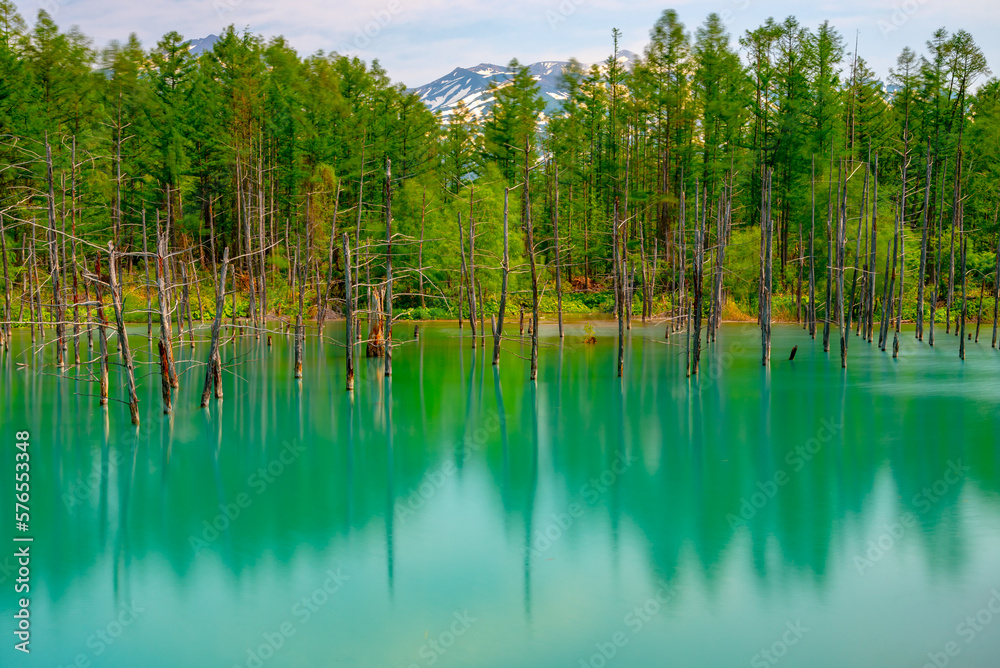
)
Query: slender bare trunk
[
  {"x": 299, "y": 332},
  {"x": 213, "y": 371},
  {"x": 57, "y": 311},
  {"x": 123, "y": 347},
  {"x": 921, "y": 278},
  {"x": 555, "y": 233},
  {"x": 321, "y": 312},
  {"x": 498, "y": 328},
  {"x": 349, "y": 313},
  {"x": 388, "y": 267}
]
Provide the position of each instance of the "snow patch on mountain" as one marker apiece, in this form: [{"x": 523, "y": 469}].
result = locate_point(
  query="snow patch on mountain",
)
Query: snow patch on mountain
[
  {"x": 199, "y": 46},
  {"x": 471, "y": 86}
]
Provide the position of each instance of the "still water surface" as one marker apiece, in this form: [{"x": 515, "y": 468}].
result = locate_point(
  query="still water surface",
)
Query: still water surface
[{"x": 453, "y": 516}]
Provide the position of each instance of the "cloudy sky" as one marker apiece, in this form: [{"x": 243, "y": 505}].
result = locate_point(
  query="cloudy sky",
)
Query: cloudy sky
[{"x": 419, "y": 40}]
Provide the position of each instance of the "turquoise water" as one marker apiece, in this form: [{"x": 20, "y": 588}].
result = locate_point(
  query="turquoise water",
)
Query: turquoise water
[{"x": 452, "y": 516}]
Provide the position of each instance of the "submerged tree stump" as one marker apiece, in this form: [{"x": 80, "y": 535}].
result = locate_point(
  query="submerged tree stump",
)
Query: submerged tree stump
[
  {"x": 376, "y": 331},
  {"x": 213, "y": 373}
]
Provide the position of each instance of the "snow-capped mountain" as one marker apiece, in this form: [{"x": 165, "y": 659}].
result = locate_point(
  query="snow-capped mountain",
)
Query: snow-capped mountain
[
  {"x": 471, "y": 85},
  {"x": 198, "y": 46}
]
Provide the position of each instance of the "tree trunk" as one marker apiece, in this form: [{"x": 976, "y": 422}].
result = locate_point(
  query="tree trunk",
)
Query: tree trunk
[
  {"x": 165, "y": 378},
  {"x": 161, "y": 288},
  {"x": 388, "y": 267},
  {"x": 963, "y": 246},
  {"x": 530, "y": 249},
  {"x": 829, "y": 262},
  {"x": 498, "y": 328},
  {"x": 123, "y": 347},
  {"x": 619, "y": 298},
  {"x": 767, "y": 227},
  {"x": 921, "y": 276},
  {"x": 956, "y": 198},
  {"x": 57, "y": 311},
  {"x": 349, "y": 314},
  {"x": 102, "y": 337},
  {"x": 186, "y": 299},
  {"x": 841, "y": 244},
  {"x": 212, "y": 371},
  {"x": 996, "y": 294},
  {"x": 555, "y": 233},
  {"x": 469, "y": 289},
  {"x": 321, "y": 312},
  {"x": 149, "y": 294},
  {"x": 420, "y": 251},
  {"x": 7, "y": 288},
  {"x": 812, "y": 255},
  {"x": 299, "y": 332}
]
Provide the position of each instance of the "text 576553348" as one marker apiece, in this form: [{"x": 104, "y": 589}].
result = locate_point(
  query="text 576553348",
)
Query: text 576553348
[{"x": 22, "y": 542}]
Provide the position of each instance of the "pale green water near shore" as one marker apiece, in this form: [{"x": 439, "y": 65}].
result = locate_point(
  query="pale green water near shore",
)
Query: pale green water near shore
[{"x": 453, "y": 517}]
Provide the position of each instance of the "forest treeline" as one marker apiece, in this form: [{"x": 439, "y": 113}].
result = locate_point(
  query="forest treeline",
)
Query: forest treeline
[{"x": 253, "y": 147}]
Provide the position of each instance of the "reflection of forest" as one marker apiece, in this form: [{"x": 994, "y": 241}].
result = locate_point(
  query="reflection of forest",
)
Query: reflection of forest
[{"x": 699, "y": 450}]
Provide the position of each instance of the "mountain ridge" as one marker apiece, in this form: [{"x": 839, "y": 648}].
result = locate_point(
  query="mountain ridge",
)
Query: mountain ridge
[{"x": 470, "y": 85}]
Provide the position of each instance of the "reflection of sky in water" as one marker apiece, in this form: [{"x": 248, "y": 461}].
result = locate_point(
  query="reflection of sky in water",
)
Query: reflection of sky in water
[{"x": 492, "y": 528}]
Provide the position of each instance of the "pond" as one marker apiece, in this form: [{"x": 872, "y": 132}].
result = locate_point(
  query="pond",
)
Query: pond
[{"x": 453, "y": 515}]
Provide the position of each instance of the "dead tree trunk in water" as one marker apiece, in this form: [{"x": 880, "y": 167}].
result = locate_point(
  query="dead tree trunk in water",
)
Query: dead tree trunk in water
[
  {"x": 619, "y": 296},
  {"x": 954, "y": 222},
  {"x": 302, "y": 297},
  {"x": 470, "y": 291},
  {"x": 498, "y": 329},
  {"x": 54, "y": 262},
  {"x": 555, "y": 233},
  {"x": 123, "y": 347},
  {"x": 798, "y": 284},
  {"x": 102, "y": 336},
  {"x": 902, "y": 266},
  {"x": 213, "y": 372},
  {"x": 841, "y": 244},
  {"x": 149, "y": 294},
  {"x": 476, "y": 310},
  {"x": 161, "y": 288},
  {"x": 530, "y": 249},
  {"x": 963, "y": 245},
  {"x": 687, "y": 340},
  {"x": 862, "y": 233},
  {"x": 725, "y": 221},
  {"x": 937, "y": 261},
  {"x": 889, "y": 305},
  {"x": 186, "y": 300},
  {"x": 482, "y": 318},
  {"x": 7, "y": 288},
  {"x": 348, "y": 313},
  {"x": 420, "y": 251},
  {"x": 979, "y": 309},
  {"x": 36, "y": 290},
  {"x": 251, "y": 277},
  {"x": 165, "y": 378},
  {"x": 681, "y": 306},
  {"x": 388, "y": 267},
  {"x": 698, "y": 286},
  {"x": 921, "y": 277},
  {"x": 996, "y": 294},
  {"x": 321, "y": 314},
  {"x": 873, "y": 256},
  {"x": 829, "y": 261},
  {"x": 767, "y": 229}
]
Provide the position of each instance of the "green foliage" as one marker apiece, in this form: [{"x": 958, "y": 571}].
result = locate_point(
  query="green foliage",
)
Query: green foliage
[{"x": 253, "y": 147}]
